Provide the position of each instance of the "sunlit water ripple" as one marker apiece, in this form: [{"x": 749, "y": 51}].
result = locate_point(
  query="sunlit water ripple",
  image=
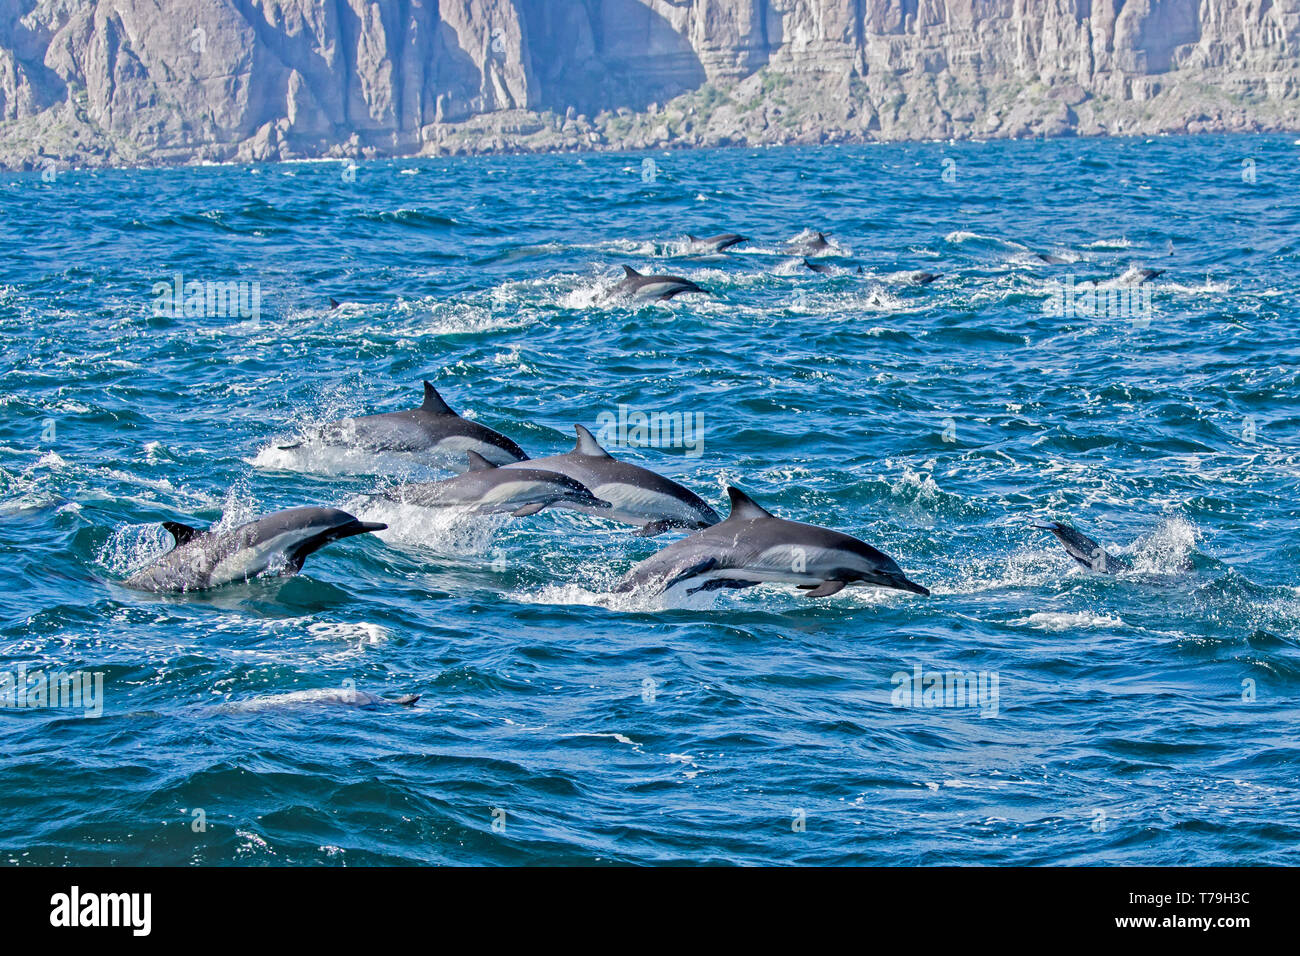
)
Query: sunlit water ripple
[{"x": 935, "y": 422}]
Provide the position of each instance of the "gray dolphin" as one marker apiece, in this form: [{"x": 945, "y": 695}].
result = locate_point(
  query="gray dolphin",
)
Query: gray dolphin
[
  {"x": 1135, "y": 275},
  {"x": 816, "y": 243},
  {"x": 816, "y": 266},
  {"x": 321, "y": 697},
  {"x": 718, "y": 243},
  {"x": 487, "y": 489},
  {"x": 638, "y": 495},
  {"x": 209, "y": 559},
  {"x": 661, "y": 287},
  {"x": 922, "y": 278},
  {"x": 1084, "y": 550},
  {"x": 754, "y": 547},
  {"x": 433, "y": 427}
]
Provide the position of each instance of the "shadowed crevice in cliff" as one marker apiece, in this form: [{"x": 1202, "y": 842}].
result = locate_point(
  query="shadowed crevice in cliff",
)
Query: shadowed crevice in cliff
[{"x": 598, "y": 55}]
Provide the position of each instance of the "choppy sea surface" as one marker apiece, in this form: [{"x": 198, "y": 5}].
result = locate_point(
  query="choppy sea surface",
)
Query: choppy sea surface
[{"x": 1146, "y": 717}]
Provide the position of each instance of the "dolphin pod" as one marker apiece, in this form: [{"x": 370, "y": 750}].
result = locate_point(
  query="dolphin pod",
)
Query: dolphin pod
[{"x": 750, "y": 547}]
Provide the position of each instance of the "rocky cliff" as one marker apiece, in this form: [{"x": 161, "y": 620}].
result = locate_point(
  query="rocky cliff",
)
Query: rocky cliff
[{"x": 158, "y": 81}]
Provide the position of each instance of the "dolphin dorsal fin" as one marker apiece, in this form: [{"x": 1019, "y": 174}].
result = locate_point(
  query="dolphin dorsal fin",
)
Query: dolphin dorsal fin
[
  {"x": 629, "y": 272},
  {"x": 477, "y": 462},
  {"x": 183, "y": 533},
  {"x": 587, "y": 444},
  {"x": 743, "y": 507},
  {"x": 821, "y": 236},
  {"x": 433, "y": 403}
]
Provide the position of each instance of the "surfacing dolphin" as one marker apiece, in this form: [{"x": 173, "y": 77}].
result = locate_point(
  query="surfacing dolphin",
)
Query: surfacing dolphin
[
  {"x": 487, "y": 489},
  {"x": 209, "y": 559},
  {"x": 661, "y": 287},
  {"x": 754, "y": 547},
  {"x": 432, "y": 428},
  {"x": 817, "y": 242},
  {"x": 638, "y": 495},
  {"x": 719, "y": 243},
  {"x": 1084, "y": 550}
]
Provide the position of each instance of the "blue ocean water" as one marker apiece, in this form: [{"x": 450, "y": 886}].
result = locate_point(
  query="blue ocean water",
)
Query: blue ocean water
[{"x": 1143, "y": 718}]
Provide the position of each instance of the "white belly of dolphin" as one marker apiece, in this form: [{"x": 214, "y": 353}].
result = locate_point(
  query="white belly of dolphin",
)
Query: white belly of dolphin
[
  {"x": 636, "y": 505},
  {"x": 454, "y": 447},
  {"x": 245, "y": 563}
]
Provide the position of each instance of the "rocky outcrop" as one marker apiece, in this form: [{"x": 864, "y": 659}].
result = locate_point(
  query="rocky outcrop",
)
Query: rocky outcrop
[{"x": 159, "y": 81}]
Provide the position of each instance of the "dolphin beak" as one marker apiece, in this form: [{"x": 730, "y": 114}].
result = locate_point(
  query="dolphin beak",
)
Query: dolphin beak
[
  {"x": 1044, "y": 525},
  {"x": 361, "y": 527},
  {"x": 900, "y": 583}
]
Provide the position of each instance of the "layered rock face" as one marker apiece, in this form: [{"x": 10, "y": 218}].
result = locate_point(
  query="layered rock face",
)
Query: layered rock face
[{"x": 153, "y": 81}]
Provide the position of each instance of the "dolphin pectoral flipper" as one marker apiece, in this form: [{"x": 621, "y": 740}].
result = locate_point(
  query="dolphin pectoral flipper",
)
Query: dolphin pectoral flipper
[
  {"x": 183, "y": 533},
  {"x": 825, "y": 589},
  {"x": 527, "y": 510},
  {"x": 708, "y": 564},
  {"x": 653, "y": 528},
  {"x": 718, "y": 584}
]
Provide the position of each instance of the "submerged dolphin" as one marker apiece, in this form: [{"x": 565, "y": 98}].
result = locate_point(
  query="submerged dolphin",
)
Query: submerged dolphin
[
  {"x": 1084, "y": 550},
  {"x": 638, "y": 495},
  {"x": 662, "y": 287},
  {"x": 433, "y": 427},
  {"x": 322, "y": 697},
  {"x": 754, "y": 547},
  {"x": 209, "y": 559},
  {"x": 487, "y": 489},
  {"x": 718, "y": 243},
  {"x": 816, "y": 266}
]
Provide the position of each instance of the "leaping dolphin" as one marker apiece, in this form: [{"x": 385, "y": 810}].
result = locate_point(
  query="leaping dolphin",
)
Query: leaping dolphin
[
  {"x": 433, "y": 428},
  {"x": 661, "y": 287},
  {"x": 209, "y": 559},
  {"x": 487, "y": 489},
  {"x": 754, "y": 547},
  {"x": 638, "y": 495},
  {"x": 718, "y": 243},
  {"x": 1084, "y": 550}
]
